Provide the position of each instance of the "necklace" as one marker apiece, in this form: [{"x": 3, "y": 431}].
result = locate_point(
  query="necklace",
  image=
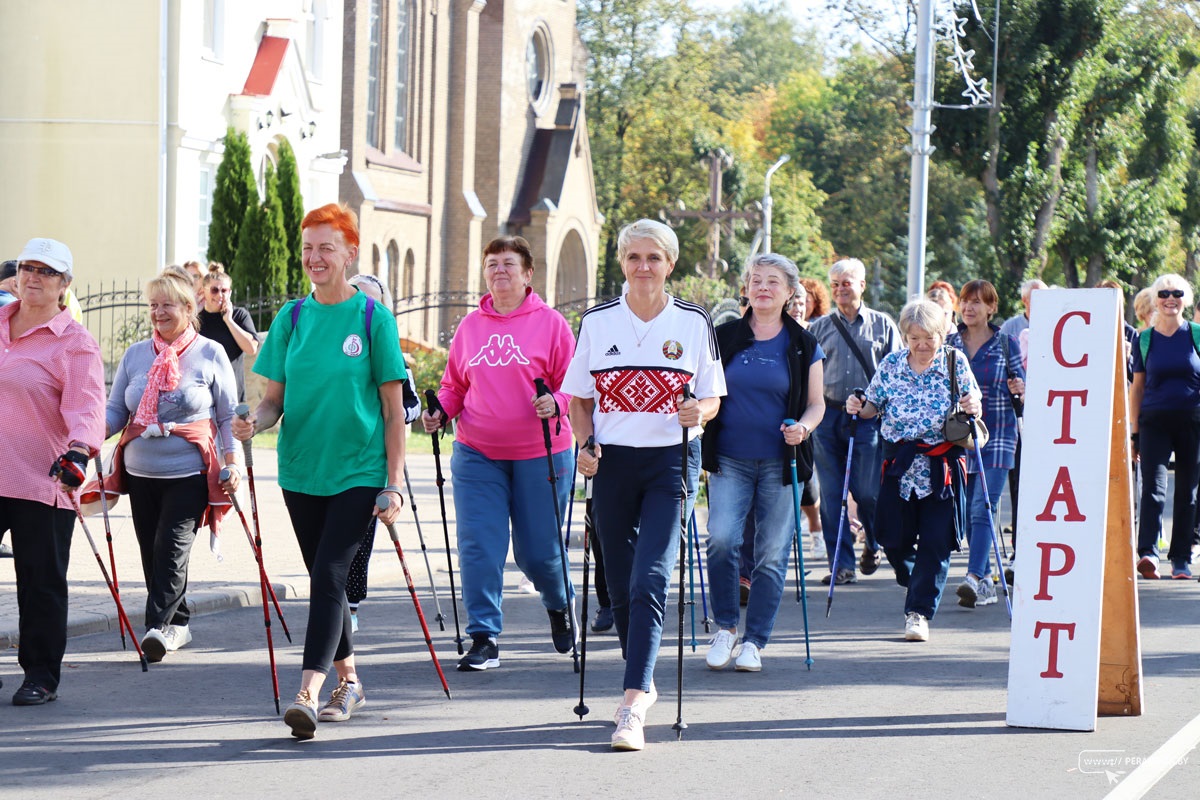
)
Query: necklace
[{"x": 633, "y": 325}]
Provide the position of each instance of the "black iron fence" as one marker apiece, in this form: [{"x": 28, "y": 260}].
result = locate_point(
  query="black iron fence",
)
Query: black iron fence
[{"x": 117, "y": 316}]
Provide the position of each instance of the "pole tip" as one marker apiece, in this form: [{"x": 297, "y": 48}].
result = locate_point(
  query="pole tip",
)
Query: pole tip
[
  {"x": 145, "y": 664},
  {"x": 448, "y": 697},
  {"x": 581, "y": 710}
]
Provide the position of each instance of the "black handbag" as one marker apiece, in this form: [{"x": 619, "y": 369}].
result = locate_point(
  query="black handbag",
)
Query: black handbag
[{"x": 957, "y": 427}]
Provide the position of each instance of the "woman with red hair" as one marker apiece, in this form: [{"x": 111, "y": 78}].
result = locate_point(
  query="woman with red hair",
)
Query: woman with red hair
[{"x": 337, "y": 450}]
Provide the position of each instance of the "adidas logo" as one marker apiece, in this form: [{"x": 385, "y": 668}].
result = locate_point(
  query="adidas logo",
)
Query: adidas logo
[{"x": 613, "y": 351}]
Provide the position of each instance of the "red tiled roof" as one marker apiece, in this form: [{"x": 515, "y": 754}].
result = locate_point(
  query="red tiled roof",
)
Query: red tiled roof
[{"x": 267, "y": 64}]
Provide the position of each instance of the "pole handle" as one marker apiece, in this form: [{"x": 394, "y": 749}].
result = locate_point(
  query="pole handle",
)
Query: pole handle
[
  {"x": 243, "y": 411},
  {"x": 590, "y": 445},
  {"x": 434, "y": 405},
  {"x": 542, "y": 389}
]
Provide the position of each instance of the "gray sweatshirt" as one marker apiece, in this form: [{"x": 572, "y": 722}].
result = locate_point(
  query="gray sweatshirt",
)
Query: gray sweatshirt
[{"x": 207, "y": 390}]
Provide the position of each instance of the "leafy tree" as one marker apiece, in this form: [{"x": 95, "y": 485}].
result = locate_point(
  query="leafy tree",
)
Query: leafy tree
[
  {"x": 292, "y": 204},
  {"x": 260, "y": 266},
  {"x": 1049, "y": 53},
  {"x": 762, "y": 44},
  {"x": 234, "y": 194}
]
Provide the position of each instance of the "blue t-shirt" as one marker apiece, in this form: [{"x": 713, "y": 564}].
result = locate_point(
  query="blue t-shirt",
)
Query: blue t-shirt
[
  {"x": 1172, "y": 371},
  {"x": 757, "y": 381}
]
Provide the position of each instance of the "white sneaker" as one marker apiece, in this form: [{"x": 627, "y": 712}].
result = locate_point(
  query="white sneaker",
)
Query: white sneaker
[
  {"x": 642, "y": 704},
  {"x": 720, "y": 649},
  {"x": 526, "y": 586},
  {"x": 177, "y": 636},
  {"x": 629, "y": 734},
  {"x": 154, "y": 645},
  {"x": 916, "y": 627},
  {"x": 749, "y": 659},
  {"x": 987, "y": 592}
]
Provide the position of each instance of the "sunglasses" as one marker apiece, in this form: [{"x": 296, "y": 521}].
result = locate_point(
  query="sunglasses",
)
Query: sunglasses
[
  {"x": 45, "y": 272},
  {"x": 218, "y": 290},
  {"x": 1163, "y": 294}
]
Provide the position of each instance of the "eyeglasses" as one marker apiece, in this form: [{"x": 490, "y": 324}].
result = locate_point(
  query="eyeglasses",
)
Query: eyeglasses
[
  {"x": 842, "y": 284},
  {"x": 45, "y": 272},
  {"x": 219, "y": 290},
  {"x": 1163, "y": 294}
]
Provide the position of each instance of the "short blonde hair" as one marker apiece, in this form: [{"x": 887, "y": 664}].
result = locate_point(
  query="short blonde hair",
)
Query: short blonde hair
[
  {"x": 925, "y": 314},
  {"x": 657, "y": 232},
  {"x": 176, "y": 289},
  {"x": 1143, "y": 306}
]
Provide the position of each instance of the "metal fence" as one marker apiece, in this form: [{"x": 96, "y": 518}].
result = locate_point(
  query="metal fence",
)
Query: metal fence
[{"x": 117, "y": 316}]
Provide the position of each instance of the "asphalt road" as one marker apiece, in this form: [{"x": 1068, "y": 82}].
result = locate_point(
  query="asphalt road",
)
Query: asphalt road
[{"x": 875, "y": 717}]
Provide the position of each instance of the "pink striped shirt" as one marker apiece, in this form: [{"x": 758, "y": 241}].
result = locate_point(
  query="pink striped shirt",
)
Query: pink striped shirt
[{"x": 51, "y": 394}]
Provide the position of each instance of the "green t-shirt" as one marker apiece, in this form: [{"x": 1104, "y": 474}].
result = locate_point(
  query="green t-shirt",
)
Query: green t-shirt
[{"x": 331, "y": 434}]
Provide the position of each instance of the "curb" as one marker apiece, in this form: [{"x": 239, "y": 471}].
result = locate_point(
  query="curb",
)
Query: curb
[{"x": 85, "y": 623}]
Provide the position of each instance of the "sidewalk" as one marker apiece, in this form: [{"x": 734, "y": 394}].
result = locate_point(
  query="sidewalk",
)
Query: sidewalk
[{"x": 233, "y": 582}]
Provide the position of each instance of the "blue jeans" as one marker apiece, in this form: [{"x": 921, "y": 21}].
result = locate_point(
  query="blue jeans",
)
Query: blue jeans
[
  {"x": 488, "y": 494},
  {"x": 746, "y": 489},
  {"x": 831, "y": 448},
  {"x": 980, "y": 537},
  {"x": 636, "y": 496},
  {"x": 922, "y": 560}
]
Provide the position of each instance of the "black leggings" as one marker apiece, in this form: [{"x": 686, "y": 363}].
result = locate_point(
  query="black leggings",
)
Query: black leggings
[
  {"x": 329, "y": 530},
  {"x": 166, "y": 513},
  {"x": 601, "y": 581}
]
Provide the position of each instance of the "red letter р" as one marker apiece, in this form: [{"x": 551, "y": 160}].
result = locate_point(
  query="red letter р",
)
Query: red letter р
[
  {"x": 1065, "y": 436},
  {"x": 1062, "y": 492},
  {"x": 1055, "y": 628},
  {"x": 1058, "y": 335},
  {"x": 1047, "y": 573}
]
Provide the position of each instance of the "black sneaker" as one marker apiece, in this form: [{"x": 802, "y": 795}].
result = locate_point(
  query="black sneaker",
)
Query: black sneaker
[
  {"x": 603, "y": 621},
  {"x": 484, "y": 654},
  {"x": 30, "y": 694},
  {"x": 562, "y": 631},
  {"x": 869, "y": 561},
  {"x": 844, "y": 576}
]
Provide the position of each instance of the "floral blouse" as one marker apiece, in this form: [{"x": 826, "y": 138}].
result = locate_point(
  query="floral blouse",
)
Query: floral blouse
[{"x": 914, "y": 406}]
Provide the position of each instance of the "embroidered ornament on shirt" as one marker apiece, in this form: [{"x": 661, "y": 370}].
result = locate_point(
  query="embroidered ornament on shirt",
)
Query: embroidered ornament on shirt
[{"x": 352, "y": 346}]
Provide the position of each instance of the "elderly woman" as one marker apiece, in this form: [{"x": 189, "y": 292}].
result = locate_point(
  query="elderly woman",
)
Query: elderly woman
[
  {"x": 1165, "y": 409},
  {"x": 921, "y": 512},
  {"x": 635, "y": 355},
  {"x": 772, "y": 372},
  {"x": 335, "y": 377},
  {"x": 499, "y": 460},
  {"x": 52, "y": 393},
  {"x": 173, "y": 396},
  {"x": 996, "y": 365},
  {"x": 226, "y": 324}
]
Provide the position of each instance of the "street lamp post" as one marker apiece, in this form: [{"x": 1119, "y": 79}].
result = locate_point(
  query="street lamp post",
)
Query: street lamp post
[{"x": 768, "y": 203}]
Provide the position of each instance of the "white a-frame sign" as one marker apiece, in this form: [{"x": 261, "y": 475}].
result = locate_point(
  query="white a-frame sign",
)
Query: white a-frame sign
[{"x": 1076, "y": 650}]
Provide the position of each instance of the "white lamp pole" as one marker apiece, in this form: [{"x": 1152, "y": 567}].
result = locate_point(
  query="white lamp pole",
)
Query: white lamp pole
[
  {"x": 768, "y": 203},
  {"x": 922, "y": 105}
]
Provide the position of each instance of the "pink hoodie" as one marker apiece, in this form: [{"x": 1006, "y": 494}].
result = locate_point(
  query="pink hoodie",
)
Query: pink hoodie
[{"x": 488, "y": 384}]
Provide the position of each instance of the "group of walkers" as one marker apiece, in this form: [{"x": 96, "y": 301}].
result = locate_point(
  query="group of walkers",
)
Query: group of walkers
[{"x": 840, "y": 398}]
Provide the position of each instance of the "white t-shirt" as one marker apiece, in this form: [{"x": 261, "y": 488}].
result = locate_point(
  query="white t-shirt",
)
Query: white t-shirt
[{"x": 635, "y": 370}]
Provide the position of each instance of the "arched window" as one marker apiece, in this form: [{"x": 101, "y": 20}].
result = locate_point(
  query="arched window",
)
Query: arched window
[
  {"x": 374, "y": 73},
  {"x": 410, "y": 266},
  {"x": 537, "y": 65},
  {"x": 403, "y": 38},
  {"x": 392, "y": 279},
  {"x": 315, "y": 39}
]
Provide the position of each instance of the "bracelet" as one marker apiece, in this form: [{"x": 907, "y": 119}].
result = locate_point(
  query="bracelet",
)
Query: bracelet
[
  {"x": 393, "y": 488},
  {"x": 807, "y": 430}
]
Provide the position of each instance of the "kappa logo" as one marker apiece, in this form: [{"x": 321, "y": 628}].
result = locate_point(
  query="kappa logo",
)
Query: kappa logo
[
  {"x": 613, "y": 351},
  {"x": 500, "y": 351}
]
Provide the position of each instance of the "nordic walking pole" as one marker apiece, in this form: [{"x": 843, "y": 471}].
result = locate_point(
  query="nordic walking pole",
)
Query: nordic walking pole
[
  {"x": 434, "y": 406},
  {"x": 112, "y": 559},
  {"x": 845, "y": 511},
  {"x": 542, "y": 390},
  {"x": 243, "y": 411},
  {"x": 381, "y": 503},
  {"x": 991, "y": 521},
  {"x": 263, "y": 584},
  {"x": 808, "y": 660},
  {"x": 571, "y": 505},
  {"x": 680, "y": 726},
  {"x": 691, "y": 554},
  {"x": 588, "y": 531},
  {"x": 799, "y": 558},
  {"x": 695, "y": 534},
  {"x": 440, "y": 619},
  {"x": 122, "y": 617}
]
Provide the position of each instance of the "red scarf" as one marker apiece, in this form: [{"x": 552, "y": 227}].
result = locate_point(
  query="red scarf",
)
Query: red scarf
[{"x": 164, "y": 374}]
